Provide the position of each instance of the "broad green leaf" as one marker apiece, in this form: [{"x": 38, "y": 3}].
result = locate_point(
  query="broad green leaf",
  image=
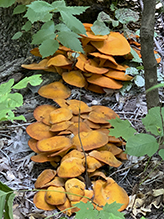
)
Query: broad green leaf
[
  {"x": 155, "y": 87},
  {"x": 141, "y": 144},
  {"x": 72, "y": 22},
  {"x": 102, "y": 16},
  {"x": 40, "y": 6},
  {"x": 15, "y": 100},
  {"x": 17, "y": 35},
  {"x": 62, "y": 27},
  {"x": 111, "y": 211},
  {"x": 48, "y": 47},
  {"x": 76, "y": 10},
  {"x": 46, "y": 32},
  {"x": 136, "y": 58},
  {"x": 122, "y": 128},
  {"x": 86, "y": 211},
  {"x": 34, "y": 80},
  {"x": 5, "y": 88},
  {"x": 57, "y": 4},
  {"x": 153, "y": 122},
  {"x": 70, "y": 40},
  {"x": 6, "y": 3},
  {"x": 6, "y": 201},
  {"x": 131, "y": 71},
  {"x": 139, "y": 80},
  {"x": 19, "y": 9},
  {"x": 34, "y": 16},
  {"x": 99, "y": 28},
  {"x": 161, "y": 153},
  {"x": 27, "y": 26},
  {"x": 125, "y": 15}
]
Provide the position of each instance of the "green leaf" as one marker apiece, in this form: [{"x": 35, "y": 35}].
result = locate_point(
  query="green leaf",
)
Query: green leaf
[
  {"x": 139, "y": 81},
  {"x": 136, "y": 57},
  {"x": 19, "y": 9},
  {"x": 102, "y": 16},
  {"x": 5, "y": 88},
  {"x": 17, "y": 35},
  {"x": 86, "y": 209},
  {"x": 6, "y": 199},
  {"x": 76, "y": 10},
  {"x": 37, "y": 16},
  {"x": 131, "y": 71},
  {"x": 99, "y": 28},
  {"x": 46, "y": 32},
  {"x": 141, "y": 144},
  {"x": 34, "y": 80},
  {"x": 111, "y": 211},
  {"x": 57, "y": 4},
  {"x": 6, "y": 3},
  {"x": 14, "y": 100},
  {"x": 125, "y": 15},
  {"x": 153, "y": 122},
  {"x": 48, "y": 47},
  {"x": 155, "y": 87},
  {"x": 72, "y": 22},
  {"x": 122, "y": 128},
  {"x": 40, "y": 6},
  {"x": 70, "y": 40},
  {"x": 161, "y": 153},
  {"x": 27, "y": 26}
]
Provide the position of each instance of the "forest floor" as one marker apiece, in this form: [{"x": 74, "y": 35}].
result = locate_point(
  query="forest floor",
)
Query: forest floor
[{"x": 143, "y": 179}]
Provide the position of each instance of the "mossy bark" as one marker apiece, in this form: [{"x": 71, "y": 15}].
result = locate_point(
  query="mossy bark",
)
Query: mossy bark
[{"x": 147, "y": 51}]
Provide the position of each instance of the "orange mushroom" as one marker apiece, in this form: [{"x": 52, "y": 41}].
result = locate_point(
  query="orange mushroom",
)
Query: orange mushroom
[
  {"x": 45, "y": 177},
  {"x": 93, "y": 164},
  {"x": 54, "y": 90},
  {"x": 90, "y": 140},
  {"x": 60, "y": 115},
  {"x": 32, "y": 144},
  {"x": 55, "y": 195},
  {"x": 118, "y": 75},
  {"x": 108, "y": 112},
  {"x": 42, "y": 158},
  {"x": 74, "y": 78},
  {"x": 104, "y": 81},
  {"x": 77, "y": 106},
  {"x": 76, "y": 127},
  {"x": 53, "y": 144},
  {"x": 103, "y": 56},
  {"x": 60, "y": 126},
  {"x": 59, "y": 61}
]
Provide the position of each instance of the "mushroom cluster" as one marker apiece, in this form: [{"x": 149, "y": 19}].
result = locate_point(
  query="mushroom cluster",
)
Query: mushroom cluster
[
  {"x": 71, "y": 137},
  {"x": 94, "y": 69}
]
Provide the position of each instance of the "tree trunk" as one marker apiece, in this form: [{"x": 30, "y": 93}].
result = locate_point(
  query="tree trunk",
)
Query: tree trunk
[{"x": 147, "y": 52}]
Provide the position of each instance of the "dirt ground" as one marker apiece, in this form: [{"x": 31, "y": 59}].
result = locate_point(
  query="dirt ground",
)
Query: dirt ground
[{"x": 143, "y": 179}]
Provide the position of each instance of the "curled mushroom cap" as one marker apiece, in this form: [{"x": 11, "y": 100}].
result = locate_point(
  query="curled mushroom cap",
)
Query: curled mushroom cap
[
  {"x": 53, "y": 144},
  {"x": 59, "y": 61},
  {"x": 115, "y": 45},
  {"x": 32, "y": 144},
  {"x": 38, "y": 131},
  {"x": 55, "y": 195},
  {"x": 108, "y": 112},
  {"x": 41, "y": 113},
  {"x": 76, "y": 187},
  {"x": 39, "y": 201},
  {"x": 71, "y": 167},
  {"x": 54, "y": 90},
  {"x": 104, "y": 81},
  {"x": 118, "y": 75},
  {"x": 77, "y": 106},
  {"x": 42, "y": 158},
  {"x": 74, "y": 78},
  {"x": 45, "y": 177},
  {"x": 61, "y": 126},
  {"x": 90, "y": 140},
  {"x": 93, "y": 164},
  {"x": 109, "y": 192},
  {"x": 103, "y": 56},
  {"x": 60, "y": 115}
]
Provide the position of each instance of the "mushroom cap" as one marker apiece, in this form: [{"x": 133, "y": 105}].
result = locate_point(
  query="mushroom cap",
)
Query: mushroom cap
[
  {"x": 41, "y": 113},
  {"x": 45, "y": 177},
  {"x": 90, "y": 140},
  {"x": 118, "y": 75},
  {"x": 71, "y": 167},
  {"x": 104, "y": 81},
  {"x": 65, "y": 206},
  {"x": 42, "y": 65},
  {"x": 61, "y": 126},
  {"x": 96, "y": 70},
  {"x": 38, "y": 131},
  {"x": 108, "y": 112},
  {"x": 95, "y": 88},
  {"x": 39, "y": 201},
  {"x": 42, "y": 158},
  {"x": 61, "y": 102},
  {"x": 77, "y": 106},
  {"x": 57, "y": 181},
  {"x": 75, "y": 186},
  {"x": 112, "y": 148},
  {"x": 91, "y": 36},
  {"x": 35, "y": 52},
  {"x": 93, "y": 164},
  {"x": 115, "y": 45},
  {"x": 54, "y": 90},
  {"x": 59, "y": 61},
  {"x": 74, "y": 78},
  {"x": 109, "y": 192},
  {"x": 55, "y": 195},
  {"x": 98, "y": 117},
  {"x": 60, "y": 115},
  {"x": 81, "y": 59},
  {"x": 105, "y": 157},
  {"x": 103, "y": 56},
  {"x": 53, "y": 144},
  {"x": 79, "y": 127},
  {"x": 73, "y": 153},
  {"x": 32, "y": 144},
  {"x": 122, "y": 156}
]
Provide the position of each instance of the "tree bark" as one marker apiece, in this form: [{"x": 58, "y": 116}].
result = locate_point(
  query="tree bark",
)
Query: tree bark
[{"x": 147, "y": 52}]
